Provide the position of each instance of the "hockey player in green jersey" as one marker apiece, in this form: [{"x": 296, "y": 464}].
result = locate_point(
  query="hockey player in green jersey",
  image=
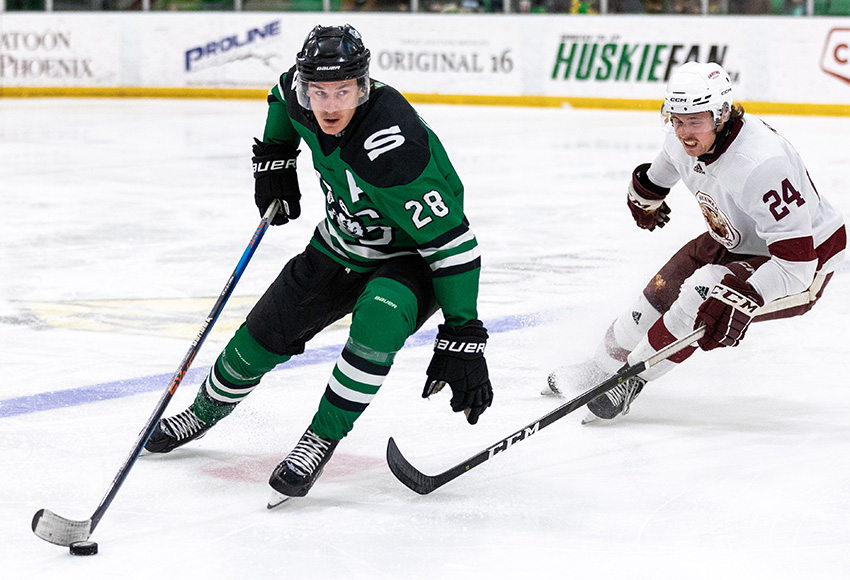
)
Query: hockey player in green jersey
[{"x": 394, "y": 247}]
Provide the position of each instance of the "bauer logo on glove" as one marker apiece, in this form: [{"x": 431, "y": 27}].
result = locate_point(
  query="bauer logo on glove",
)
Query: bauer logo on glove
[
  {"x": 274, "y": 165},
  {"x": 459, "y": 347},
  {"x": 458, "y": 361}
]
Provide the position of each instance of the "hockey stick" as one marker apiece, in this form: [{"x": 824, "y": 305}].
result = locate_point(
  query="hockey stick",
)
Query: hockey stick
[
  {"x": 63, "y": 532},
  {"x": 425, "y": 484}
]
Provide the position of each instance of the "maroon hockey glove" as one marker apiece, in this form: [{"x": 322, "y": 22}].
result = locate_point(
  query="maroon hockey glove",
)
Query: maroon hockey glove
[
  {"x": 646, "y": 200},
  {"x": 459, "y": 362},
  {"x": 275, "y": 178},
  {"x": 727, "y": 313}
]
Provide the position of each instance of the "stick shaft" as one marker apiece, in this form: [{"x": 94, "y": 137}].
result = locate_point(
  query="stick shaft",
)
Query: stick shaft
[
  {"x": 57, "y": 529},
  {"x": 194, "y": 348}
]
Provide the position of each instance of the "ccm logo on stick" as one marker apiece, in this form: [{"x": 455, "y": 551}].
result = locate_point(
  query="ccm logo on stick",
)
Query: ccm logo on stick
[{"x": 508, "y": 441}]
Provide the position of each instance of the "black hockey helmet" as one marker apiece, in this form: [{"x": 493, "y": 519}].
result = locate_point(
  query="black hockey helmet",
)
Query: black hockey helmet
[{"x": 332, "y": 53}]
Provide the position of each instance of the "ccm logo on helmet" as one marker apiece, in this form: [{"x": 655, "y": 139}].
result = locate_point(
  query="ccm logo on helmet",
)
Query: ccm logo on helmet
[
  {"x": 463, "y": 347},
  {"x": 678, "y": 99}
]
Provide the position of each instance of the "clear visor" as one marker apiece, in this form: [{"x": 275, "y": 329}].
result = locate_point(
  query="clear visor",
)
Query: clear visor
[
  {"x": 332, "y": 96},
  {"x": 689, "y": 122}
]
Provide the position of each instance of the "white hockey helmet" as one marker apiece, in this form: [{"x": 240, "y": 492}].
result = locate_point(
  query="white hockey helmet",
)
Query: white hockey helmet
[{"x": 696, "y": 87}]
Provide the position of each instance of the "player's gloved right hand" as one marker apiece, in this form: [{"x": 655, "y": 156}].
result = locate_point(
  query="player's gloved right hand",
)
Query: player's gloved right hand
[
  {"x": 459, "y": 362},
  {"x": 275, "y": 178},
  {"x": 727, "y": 312},
  {"x": 646, "y": 200}
]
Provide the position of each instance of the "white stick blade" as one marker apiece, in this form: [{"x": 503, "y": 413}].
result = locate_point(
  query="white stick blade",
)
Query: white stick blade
[{"x": 58, "y": 530}]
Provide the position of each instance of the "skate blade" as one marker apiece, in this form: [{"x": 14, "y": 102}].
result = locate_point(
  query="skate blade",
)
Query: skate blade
[
  {"x": 550, "y": 390},
  {"x": 589, "y": 418},
  {"x": 276, "y": 499}
]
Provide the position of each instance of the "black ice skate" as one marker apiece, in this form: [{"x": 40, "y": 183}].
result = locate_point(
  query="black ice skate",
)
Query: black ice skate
[
  {"x": 175, "y": 431},
  {"x": 302, "y": 467},
  {"x": 616, "y": 401}
]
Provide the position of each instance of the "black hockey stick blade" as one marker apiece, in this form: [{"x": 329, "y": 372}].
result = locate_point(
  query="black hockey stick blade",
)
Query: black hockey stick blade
[
  {"x": 58, "y": 530},
  {"x": 425, "y": 484},
  {"x": 409, "y": 475}
]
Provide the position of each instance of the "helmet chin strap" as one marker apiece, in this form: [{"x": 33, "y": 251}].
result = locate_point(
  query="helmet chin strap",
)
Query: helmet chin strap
[
  {"x": 717, "y": 132},
  {"x": 720, "y": 134},
  {"x": 721, "y": 131}
]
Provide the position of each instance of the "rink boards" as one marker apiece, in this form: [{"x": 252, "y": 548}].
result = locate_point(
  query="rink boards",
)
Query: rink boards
[{"x": 779, "y": 65}]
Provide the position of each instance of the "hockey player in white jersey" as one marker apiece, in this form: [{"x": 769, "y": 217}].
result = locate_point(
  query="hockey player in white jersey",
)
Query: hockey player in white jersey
[{"x": 772, "y": 243}]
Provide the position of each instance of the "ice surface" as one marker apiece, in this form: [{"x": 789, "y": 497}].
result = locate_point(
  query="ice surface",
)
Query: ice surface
[{"x": 120, "y": 221}]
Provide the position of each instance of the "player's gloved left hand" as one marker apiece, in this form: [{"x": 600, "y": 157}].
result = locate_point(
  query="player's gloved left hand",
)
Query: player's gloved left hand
[
  {"x": 727, "y": 313},
  {"x": 646, "y": 200},
  {"x": 275, "y": 178},
  {"x": 459, "y": 362}
]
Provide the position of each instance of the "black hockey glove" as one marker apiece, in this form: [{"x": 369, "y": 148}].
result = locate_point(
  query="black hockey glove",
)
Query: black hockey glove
[
  {"x": 275, "y": 178},
  {"x": 459, "y": 362},
  {"x": 646, "y": 200}
]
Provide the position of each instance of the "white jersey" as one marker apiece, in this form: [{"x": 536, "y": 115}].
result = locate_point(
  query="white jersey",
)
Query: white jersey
[{"x": 757, "y": 199}]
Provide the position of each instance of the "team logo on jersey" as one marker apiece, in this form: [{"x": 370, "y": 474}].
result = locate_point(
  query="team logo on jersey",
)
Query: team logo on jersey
[
  {"x": 719, "y": 225},
  {"x": 382, "y": 141},
  {"x": 355, "y": 225},
  {"x": 345, "y": 221}
]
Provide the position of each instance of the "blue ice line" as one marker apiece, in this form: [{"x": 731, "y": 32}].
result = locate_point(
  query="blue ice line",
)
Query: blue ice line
[{"x": 125, "y": 388}]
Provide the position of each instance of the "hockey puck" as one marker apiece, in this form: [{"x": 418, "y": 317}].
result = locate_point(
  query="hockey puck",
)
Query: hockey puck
[{"x": 83, "y": 548}]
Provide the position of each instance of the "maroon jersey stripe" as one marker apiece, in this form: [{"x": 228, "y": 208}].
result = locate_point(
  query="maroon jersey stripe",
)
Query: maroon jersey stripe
[
  {"x": 832, "y": 246},
  {"x": 794, "y": 249}
]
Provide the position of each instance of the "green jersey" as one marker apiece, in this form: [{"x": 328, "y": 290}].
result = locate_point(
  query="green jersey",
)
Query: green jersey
[{"x": 390, "y": 190}]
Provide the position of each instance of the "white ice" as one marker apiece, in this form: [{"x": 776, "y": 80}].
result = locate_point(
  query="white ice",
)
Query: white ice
[{"x": 120, "y": 221}]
